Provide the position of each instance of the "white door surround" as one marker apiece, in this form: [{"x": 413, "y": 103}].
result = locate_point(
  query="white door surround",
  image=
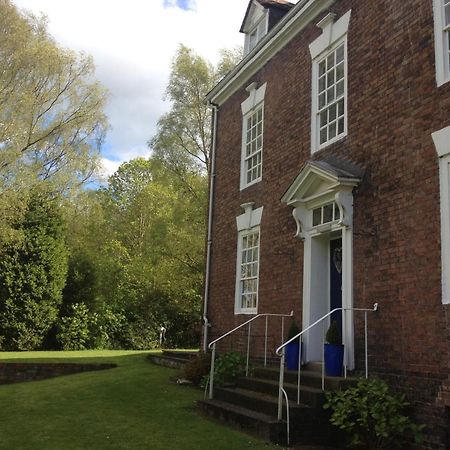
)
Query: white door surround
[{"x": 322, "y": 201}]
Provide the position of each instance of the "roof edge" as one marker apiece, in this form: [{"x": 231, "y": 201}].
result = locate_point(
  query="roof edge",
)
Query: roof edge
[{"x": 289, "y": 26}]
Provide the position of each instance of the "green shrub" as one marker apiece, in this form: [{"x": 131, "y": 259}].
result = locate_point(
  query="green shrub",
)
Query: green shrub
[
  {"x": 197, "y": 368},
  {"x": 141, "y": 335},
  {"x": 293, "y": 330},
  {"x": 333, "y": 336},
  {"x": 227, "y": 368},
  {"x": 74, "y": 333},
  {"x": 372, "y": 417},
  {"x": 32, "y": 275}
]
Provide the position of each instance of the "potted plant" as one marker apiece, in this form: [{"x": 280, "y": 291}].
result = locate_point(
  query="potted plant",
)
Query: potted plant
[
  {"x": 334, "y": 351},
  {"x": 293, "y": 348}
]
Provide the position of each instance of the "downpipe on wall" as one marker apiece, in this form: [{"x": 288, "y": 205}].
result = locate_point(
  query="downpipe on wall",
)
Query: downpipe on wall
[{"x": 206, "y": 322}]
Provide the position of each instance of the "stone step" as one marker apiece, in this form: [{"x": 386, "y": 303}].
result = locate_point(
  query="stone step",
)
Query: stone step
[
  {"x": 255, "y": 423},
  {"x": 260, "y": 402},
  {"x": 180, "y": 354},
  {"x": 309, "y": 396},
  {"x": 307, "y": 426},
  {"x": 310, "y": 378},
  {"x": 173, "y": 359}
]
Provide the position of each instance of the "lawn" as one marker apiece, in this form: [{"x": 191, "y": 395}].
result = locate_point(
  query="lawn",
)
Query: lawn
[{"x": 134, "y": 406}]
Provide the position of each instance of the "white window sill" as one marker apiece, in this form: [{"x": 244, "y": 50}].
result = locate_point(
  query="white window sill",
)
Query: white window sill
[
  {"x": 328, "y": 143},
  {"x": 251, "y": 183}
]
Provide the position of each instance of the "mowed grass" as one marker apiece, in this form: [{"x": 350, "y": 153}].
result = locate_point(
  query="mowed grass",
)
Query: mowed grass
[{"x": 135, "y": 406}]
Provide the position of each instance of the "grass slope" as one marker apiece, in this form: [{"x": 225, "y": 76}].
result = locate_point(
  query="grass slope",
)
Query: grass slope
[{"x": 134, "y": 406}]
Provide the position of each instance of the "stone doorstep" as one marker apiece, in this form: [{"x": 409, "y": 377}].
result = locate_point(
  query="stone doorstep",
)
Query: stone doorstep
[
  {"x": 251, "y": 405},
  {"x": 308, "y": 377},
  {"x": 264, "y": 403},
  {"x": 254, "y": 423},
  {"x": 310, "y": 396}
]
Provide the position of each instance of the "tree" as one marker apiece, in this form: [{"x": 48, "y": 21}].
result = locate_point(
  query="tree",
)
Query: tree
[
  {"x": 51, "y": 111},
  {"x": 183, "y": 138},
  {"x": 32, "y": 275}
]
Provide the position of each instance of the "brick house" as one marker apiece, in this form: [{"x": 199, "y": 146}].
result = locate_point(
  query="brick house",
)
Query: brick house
[{"x": 331, "y": 188}]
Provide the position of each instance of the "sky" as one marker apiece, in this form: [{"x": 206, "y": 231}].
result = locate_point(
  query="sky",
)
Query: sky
[{"x": 133, "y": 43}]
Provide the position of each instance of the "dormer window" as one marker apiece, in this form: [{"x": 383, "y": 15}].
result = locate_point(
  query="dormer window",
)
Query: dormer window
[
  {"x": 254, "y": 36},
  {"x": 260, "y": 18}
]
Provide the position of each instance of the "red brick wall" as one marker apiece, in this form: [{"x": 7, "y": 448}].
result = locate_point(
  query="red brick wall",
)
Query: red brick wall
[{"x": 393, "y": 107}]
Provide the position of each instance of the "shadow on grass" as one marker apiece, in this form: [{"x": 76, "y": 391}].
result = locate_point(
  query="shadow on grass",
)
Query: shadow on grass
[{"x": 132, "y": 407}]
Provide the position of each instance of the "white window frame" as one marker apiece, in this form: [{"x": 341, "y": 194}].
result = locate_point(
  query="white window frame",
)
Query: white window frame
[
  {"x": 334, "y": 34},
  {"x": 259, "y": 30},
  {"x": 250, "y": 106},
  {"x": 441, "y": 140},
  {"x": 441, "y": 42},
  {"x": 247, "y": 223}
]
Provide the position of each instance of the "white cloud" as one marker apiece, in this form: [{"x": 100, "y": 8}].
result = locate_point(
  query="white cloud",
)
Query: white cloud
[
  {"x": 108, "y": 167},
  {"x": 133, "y": 44}
]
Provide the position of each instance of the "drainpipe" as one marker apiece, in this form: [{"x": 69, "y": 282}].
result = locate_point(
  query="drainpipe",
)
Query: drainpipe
[{"x": 206, "y": 323}]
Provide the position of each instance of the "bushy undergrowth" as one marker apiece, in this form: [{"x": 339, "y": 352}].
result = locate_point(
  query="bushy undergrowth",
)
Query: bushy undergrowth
[
  {"x": 227, "y": 367},
  {"x": 372, "y": 416},
  {"x": 197, "y": 368}
]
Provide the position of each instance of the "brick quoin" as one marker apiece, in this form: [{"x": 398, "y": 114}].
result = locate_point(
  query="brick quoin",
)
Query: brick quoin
[{"x": 394, "y": 106}]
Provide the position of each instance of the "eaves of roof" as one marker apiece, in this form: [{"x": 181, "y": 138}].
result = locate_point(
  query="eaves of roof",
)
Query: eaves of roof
[
  {"x": 280, "y": 4},
  {"x": 289, "y": 26}
]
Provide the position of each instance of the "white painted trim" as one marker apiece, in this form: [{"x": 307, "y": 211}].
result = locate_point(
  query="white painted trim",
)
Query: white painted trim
[
  {"x": 440, "y": 46},
  {"x": 333, "y": 35},
  {"x": 257, "y": 16},
  {"x": 302, "y": 213},
  {"x": 250, "y": 219},
  {"x": 441, "y": 140},
  {"x": 256, "y": 96},
  {"x": 254, "y": 101},
  {"x": 303, "y": 13},
  {"x": 248, "y": 222}
]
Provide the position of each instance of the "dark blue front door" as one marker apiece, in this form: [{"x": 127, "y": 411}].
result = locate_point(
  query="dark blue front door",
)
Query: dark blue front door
[{"x": 336, "y": 280}]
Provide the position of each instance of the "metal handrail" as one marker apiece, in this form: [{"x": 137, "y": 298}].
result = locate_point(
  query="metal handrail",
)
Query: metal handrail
[
  {"x": 212, "y": 344},
  {"x": 282, "y": 349}
]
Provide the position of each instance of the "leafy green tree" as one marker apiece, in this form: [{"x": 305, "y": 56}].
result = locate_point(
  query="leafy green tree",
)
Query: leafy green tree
[
  {"x": 183, "y": 138},
  {"x": 32, "y": 275},
  {"x": 51, "y": 114},
  {"x": 52, "y": 122}
]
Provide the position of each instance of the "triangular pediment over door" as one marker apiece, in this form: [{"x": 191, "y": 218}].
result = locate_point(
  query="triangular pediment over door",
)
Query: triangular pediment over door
[{"x": 322, "y": 200}]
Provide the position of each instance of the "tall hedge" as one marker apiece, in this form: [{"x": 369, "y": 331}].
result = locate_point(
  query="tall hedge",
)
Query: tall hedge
[{"x": 32, "y": 276}]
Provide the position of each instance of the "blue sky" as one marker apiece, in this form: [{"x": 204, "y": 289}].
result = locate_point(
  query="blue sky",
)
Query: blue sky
[
  {"x": 182, "y": 4},
  {"x": 133, "y": 46}
]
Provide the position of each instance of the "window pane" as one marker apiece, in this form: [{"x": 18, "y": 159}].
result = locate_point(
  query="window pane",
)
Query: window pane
[
  {"x": 332, "y": 130},
  {"x": 330, "y": 78},
  {"x": 340, "y": 107},
  {"x": 322, "y": 84},
  {"x": 340, "y": 126},
  {"x": 337, "y": 212},
  {"x": 323, "y": 135},
  {"x": 330, "y": 95},
  {"x": 317, "y": 216},
  {"x": 328, "y": 213},
  {"x": 340, "y": 88},
  {"x": 322, "y": 100},
  {"x": 330, "y": 61},
  {"x": 332, "y": 114},
  {"x": 323, "y": 118},
  {"x": 340, "y": 71},
  {"x": 340, "y": 54},
  {"x": 447, "y": 14},
  {"x": 321, "y": 68}
]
